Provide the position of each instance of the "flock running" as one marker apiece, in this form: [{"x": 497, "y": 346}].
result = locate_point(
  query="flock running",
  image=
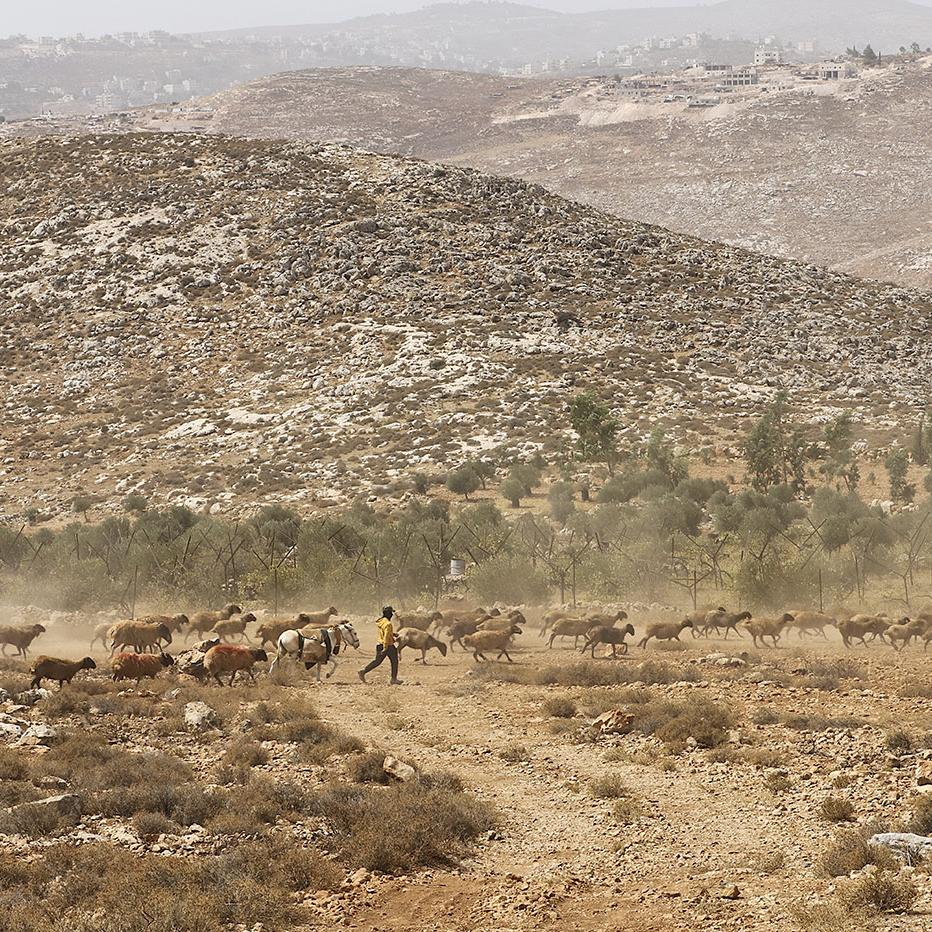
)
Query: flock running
[{"x": 315, "y": 639}]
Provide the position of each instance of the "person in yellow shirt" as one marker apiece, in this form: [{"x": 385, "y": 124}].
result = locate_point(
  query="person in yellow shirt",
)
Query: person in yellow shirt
[{"x": 386, "y": 647}]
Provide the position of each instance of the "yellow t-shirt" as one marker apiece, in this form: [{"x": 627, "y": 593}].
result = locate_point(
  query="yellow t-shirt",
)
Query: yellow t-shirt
[{"x": 386, "y": 633}]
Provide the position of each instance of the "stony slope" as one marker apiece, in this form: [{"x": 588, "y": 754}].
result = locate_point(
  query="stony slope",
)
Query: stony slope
[
  {"x": 229, "y": 321},
  {"x": 839, "y": 179}
]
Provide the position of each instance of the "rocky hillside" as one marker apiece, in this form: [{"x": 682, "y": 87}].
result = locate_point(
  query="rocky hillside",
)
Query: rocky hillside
[
  {"x": 218, "y": 321},
  {"x": 836, "y": 178}
]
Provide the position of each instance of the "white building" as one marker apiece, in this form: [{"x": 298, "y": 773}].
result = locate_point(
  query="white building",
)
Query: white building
[{"x": 767, "y": 55}]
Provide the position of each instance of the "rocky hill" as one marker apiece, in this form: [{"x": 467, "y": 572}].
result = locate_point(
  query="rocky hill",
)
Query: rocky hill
[
  {"x": 836, "y": 178},
  {"x": 217, "y": 321}
]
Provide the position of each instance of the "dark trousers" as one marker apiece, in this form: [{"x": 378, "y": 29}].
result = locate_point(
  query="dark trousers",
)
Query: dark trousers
[{"x": 380, "y": 654}]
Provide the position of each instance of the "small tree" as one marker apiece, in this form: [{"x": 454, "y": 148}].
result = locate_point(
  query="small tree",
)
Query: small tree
[
  {"x": 463, "y": 481},
  {"x": 869, "y": 56},
  {"x": 483, "y": 469},
  {"x": 663, "y": 457},
  {"x": 135, "y": 503},
  {"x": 513, "y": 490},
  {"x": 775, "y": 453},
  {"x": 527, "y": 474},
  {"x": 897, "y": 466},
  {"x": 421, "y": 482},
  {"x": 841, "y": 463},
  {"x": 919, "y": 451},
  {"x": 596, "y": 430},
  {"x": 81, "y": 504}
]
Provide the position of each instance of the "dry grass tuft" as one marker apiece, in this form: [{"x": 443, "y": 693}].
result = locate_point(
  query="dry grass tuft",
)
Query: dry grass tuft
[
  {"x": 879, "y": 891},
  {"x": 850, "y": 851},
  {"x": 836, "y": 809},
  {"x": 608, "y": 787},
  {"x": 560, "y": 707}
]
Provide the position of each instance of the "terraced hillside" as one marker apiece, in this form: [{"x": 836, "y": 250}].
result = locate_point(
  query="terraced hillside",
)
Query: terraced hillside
[{"x": 222, "y": 321}]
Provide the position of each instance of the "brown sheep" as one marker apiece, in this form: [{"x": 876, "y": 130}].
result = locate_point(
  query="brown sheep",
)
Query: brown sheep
[
  {"x": 664, "y": 631},
  {"x": 202, "y": 622},
  {"x": 19, "y": 637},
  {"x": 575, "y": 628},
  {"x": 174, "y": 623},
  {"x": 314, "y": 619},
  {"x": 459, "y": 629},
  {"x": 482, "y": 641},
  {"x": 270, "y": 631},
  {"x": 502, "y": 622},
  {"x": 62, "y": 671},
  {"x": 233, "y": 627},
  {"x": 420, "y": 640},
  {"x": 608, "y": 634},
  {"x": 859, "y": 626},
  {"x": 450, "y": 619},
  {"x": 904, "y": 631},
  {"x": 232, "y": 658},
  {"x": 140, "y": 635},
  {"x": 552, "y": 617},
  {"x": 136, "y": 667},
  {"x": 814, "y": 623},
  {"x": 727, "y": 620},
  {"x": 422, "y": 621},
  {"x": 772, "y": 628},
  {"x": 699, "y": 616}
]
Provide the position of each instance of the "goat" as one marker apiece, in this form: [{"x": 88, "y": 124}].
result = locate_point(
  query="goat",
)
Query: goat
[
  {"x": 202, "y": 622},
  {"x": 62, "y": 671},
  {"x": 772, "y": 628},
  {"x": 698, "y": 618},
  {"x": 232, "y": 658},
  {"x": 459, "y": 629},
  {"x": 136, "y": 667},
  {"x": 140, "y": 635},
  {"x": 481, "y": 641},
  {"x": 20, "y": 638},
  {"x": 420, "y": 640},
  {"x": 664, "y": 631},
  {"x": 608, "y": 634}
]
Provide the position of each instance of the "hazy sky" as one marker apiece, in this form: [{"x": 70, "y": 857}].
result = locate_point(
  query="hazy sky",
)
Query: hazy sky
[{"x": 93, "y": 17}]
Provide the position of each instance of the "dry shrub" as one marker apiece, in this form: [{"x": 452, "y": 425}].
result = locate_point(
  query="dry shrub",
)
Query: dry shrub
[
  {"x": 153, "y": 823},
  {"x": 608, "y": 787},
  {"x": 916, "y": 691},
  {"x": 254, "y": 808},
  {"x": 764, "y": 716},
  {"x": 626, "y": 811},
  {"x": 879, "y": 891},
  {"x": 836, "y": 809},
  {"x": 14, "y": 765},
  {"x": 514, "y": 753},
  {"x": 244, "y": 752},
  {"x": 250, "y": 884},
  {"x": 920, "y": 820},
  {"x": 675, "y": 722},
  {"x": 295, "y": 721},
  {"x": 34, "y": 821},
  {"x": 398, "y": 828},
  {"x": 850, "y": 851},
  {"x": 824, "y": 917},
  {"x": 777, "y": 783},
  {"x": 368, "y": 768},
  {"x": 560, "y": 707},
  {"x": 899, "y": 741}
]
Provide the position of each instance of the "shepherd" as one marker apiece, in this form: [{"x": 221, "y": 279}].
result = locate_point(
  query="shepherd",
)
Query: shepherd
[{"x": 385, "y": 648}]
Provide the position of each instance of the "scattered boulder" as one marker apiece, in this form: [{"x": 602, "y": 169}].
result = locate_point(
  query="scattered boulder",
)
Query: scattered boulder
[
  {"x": 613, "y": 722},
  {"x": 199, "y": 716},
  {"x": 398, "y": 769}
]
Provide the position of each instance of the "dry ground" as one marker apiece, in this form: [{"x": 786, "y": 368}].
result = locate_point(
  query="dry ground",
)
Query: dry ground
[{"x": 714, "y": 839}]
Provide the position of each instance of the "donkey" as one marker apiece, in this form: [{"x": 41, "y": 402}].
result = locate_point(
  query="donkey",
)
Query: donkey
[{"x": 315, "y": 647}]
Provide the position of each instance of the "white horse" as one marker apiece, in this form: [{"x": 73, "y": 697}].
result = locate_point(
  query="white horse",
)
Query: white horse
[{"x": 315, "y": 647}]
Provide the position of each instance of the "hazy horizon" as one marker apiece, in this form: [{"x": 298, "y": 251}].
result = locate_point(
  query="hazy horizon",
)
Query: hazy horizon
[{"x": 98, "y": 17}]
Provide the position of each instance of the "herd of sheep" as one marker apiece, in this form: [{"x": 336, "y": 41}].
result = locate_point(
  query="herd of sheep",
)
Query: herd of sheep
[{"x": 137, "y": 647}]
